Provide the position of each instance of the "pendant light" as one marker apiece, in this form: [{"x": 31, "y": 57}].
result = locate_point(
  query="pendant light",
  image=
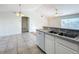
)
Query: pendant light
[
  {"x": 19, "y": 11},
  {"x": 56, "y": 12}
]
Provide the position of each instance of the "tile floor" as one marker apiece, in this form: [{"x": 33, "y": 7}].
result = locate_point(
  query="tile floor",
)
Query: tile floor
[{"x": 19, "y": 44}]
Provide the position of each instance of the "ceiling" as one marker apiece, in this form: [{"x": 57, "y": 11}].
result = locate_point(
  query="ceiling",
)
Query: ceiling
[
  {"x": 46, "y": 9},
  {"x": 14, "y": 7}
]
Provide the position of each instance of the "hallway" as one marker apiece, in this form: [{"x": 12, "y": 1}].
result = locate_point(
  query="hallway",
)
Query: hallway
[{"x": 19, "y": 44}]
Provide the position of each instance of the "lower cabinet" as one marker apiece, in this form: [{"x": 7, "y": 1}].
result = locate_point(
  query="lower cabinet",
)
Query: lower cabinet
[
  {"x": 49, "y": 44},
  {"x": 61, "y": 49},
  {"x": 57, "y": 45},
  {"x": 63, "y": 46},
  {"x": 52, "y": 44},
  {"x": 41, "y": 40}
]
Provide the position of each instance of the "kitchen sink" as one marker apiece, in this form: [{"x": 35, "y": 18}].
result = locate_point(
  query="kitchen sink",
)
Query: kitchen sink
[
  {"x": 61, "y": 34},
  {"x": 53, "y": 32}
]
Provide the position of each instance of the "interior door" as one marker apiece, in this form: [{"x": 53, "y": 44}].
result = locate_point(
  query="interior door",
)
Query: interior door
[{"x": 25, "y": 24}]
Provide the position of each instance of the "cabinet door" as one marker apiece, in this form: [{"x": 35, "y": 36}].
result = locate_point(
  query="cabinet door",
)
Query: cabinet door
[
  {"x": 40, "y": 40},
  {"x": 70, "y": 44},
  {"x": 37, "y": 38},
  {"x": 49, "y": 44},
  {"x": 60, "y": 49}
]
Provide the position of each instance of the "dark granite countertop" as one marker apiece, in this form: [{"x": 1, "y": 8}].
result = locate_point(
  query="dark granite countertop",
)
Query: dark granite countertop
[{"x": 64, "y": 37}]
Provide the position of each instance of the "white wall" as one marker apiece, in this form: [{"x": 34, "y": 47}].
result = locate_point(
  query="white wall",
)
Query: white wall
[
  {"x": 9, "y": 24},
  {"x": 36, "y": 21}
]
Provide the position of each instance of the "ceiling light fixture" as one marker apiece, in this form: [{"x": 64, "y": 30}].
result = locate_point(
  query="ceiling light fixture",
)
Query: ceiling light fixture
[
  {"x": 19, "y": 11},
  {"x": 56, "y": 12}
]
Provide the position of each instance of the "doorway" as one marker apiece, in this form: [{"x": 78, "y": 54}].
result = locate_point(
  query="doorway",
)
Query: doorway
[{"x": 25, "y": 24}]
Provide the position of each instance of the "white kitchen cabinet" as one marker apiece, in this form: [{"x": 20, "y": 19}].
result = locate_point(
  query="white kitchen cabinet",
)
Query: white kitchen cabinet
[
  {"x": 70, "y": 44},
  {"x": 49, "y": 44},
  {"x": 41, "y": 40},
  {"x": 53, "y": 44},
  {"x": 62, "y": 46},
  {"x": 61, "y": 49}
]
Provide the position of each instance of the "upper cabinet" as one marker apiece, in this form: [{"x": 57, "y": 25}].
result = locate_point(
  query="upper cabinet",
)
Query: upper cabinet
[{"x": 54, "y": 22}]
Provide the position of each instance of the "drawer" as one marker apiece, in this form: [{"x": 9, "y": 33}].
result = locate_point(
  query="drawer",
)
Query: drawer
[
  {"x": 60, "y": 49},
  {"x": 69, "y": 44}
]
